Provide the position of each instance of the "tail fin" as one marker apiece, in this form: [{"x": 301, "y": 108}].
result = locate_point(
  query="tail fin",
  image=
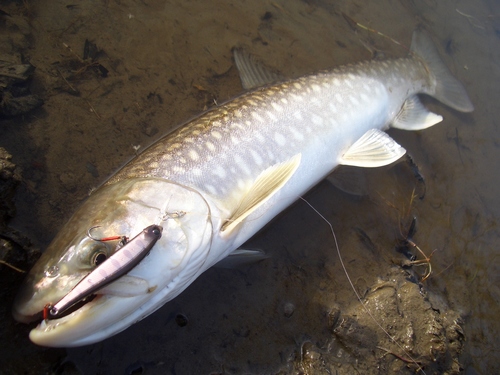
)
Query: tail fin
[{"x": 448, "y": 89}]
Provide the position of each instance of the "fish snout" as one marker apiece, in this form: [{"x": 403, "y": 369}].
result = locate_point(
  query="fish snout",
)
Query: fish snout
[{"x": 25, "y": 309}]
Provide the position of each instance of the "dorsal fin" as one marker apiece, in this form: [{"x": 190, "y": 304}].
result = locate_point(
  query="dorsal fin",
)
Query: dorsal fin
[
  {"x": 264, "y": 187},
  {"x": 253, "y": 74}
]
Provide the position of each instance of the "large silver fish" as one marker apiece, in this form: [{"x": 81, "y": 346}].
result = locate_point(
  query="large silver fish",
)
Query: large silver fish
[{"x": 216, "y": 181}]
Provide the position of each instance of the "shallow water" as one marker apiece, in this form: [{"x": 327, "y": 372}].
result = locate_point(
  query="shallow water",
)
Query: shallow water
[{"x": 167, "y": 63}]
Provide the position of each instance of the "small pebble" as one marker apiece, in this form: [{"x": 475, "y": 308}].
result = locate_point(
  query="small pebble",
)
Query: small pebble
[
  {"x": 181, "y": 320},
  {"x": 69, "y": 181},
  {"x": 288, "y": 309}
]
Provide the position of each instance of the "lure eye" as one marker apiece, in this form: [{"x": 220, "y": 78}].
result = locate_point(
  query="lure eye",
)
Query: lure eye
[{"x": 98, "y": 258}]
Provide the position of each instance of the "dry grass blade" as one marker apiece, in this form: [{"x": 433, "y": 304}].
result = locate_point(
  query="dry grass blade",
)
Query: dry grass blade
[{"x": 11, "y": 266}]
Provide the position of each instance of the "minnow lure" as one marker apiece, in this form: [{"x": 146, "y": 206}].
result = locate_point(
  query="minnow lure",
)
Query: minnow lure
[{"x": 117, "y": 265}]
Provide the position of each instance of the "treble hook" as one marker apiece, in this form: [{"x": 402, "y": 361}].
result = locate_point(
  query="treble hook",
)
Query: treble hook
[{"x": 111, "y": 238}]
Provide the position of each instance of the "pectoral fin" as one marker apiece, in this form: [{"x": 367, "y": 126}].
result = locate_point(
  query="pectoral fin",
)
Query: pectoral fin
[
  {"x": 264, "y": 187},
  {"x": 414, "y": 116},
  {"x": 374, "y": 149}
]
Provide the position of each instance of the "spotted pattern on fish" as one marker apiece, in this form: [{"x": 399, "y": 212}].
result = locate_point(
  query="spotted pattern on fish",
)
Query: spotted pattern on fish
[{"x": 247, "y": 131}]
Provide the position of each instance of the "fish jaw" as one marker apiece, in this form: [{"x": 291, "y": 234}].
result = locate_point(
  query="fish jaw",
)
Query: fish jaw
[
  {"x": 48, "y": 281},
  {"x": 104, "y": 316},
  {"x": 108, "y": 314},
  {"x": 33, "y": 295},
  {"x": 64, "y": 332}
]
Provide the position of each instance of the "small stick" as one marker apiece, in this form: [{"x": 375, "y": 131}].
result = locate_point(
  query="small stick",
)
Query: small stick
[
  {"x": 74, "y": 54},
  {"x": 472, "y": 20},
  {"x": 11, "y": 266},
  {"x": 387, "y": 351},
  {"x": 92, "y": 109},
  {"x": 69, "y": 84},
  {"x": 427, "y": 260},
  {"x": 354, "y": 23}
]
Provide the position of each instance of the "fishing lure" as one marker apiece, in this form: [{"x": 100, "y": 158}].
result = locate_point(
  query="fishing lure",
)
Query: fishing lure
[{"x": 117, "y": 265}]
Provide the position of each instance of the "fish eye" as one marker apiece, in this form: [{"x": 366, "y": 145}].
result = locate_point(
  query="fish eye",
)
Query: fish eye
[
  {"x": 98, "y": 258},
  {"x": 92, "y": 253},
  {"x": 52, "y": 271},
  {"x": 156, "y": 232}
]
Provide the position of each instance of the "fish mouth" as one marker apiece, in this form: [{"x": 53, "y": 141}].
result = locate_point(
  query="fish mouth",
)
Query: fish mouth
[
  {"x": 68, "y": 311},
  {"x": 23, "y": 318},
  {"x": 40, "y": 316},
  {"x": 26, "y": 319},
  {"x": 30, "y": 303},
  {"x": 98, "y": 317},
  {"x": 58, "y": 332}
]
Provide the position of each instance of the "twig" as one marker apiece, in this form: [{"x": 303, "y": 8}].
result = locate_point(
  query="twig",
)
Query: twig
[
  {"x": 387, "y": 351},
  {"x": 11, "y": 266},
  {"x": 75, "y": 91},
  {"x": 92, "y": 109},
  {"x": 74, "y": 54},
  {"x": 426, "y": 260},
  {"x": 472, "y": 20},
  {"x": 354, "y": 23}
]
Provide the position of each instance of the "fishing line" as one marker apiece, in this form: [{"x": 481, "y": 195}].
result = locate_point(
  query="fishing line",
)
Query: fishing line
[
  {"x": 410, "y": 358},
  {"x": 356, "y": 292}
]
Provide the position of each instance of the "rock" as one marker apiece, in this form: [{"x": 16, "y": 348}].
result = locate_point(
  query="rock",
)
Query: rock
[
  {"x": 11, "y": 106},
  {"x": 15, "y": 97},
  {"x": 288, "y": 309},
  {"x": 9, "y": 179},
  {"x": 15, "y": 249},
  {"x": 69, "y": 181},
  {"x": 395, "y": 331}
]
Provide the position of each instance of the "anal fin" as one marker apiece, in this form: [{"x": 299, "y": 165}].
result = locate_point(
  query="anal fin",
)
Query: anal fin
[
  {"x": 264, "y": 187},
  {"x": 414, "y": 116},
  {"x": 374, "y": 149}
]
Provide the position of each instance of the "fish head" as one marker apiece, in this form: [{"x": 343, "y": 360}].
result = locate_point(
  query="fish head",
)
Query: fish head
[{"x": 124, "y": 208}]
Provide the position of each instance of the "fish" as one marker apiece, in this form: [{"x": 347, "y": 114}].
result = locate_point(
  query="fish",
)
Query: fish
[{"x": 217, "y": 180}]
